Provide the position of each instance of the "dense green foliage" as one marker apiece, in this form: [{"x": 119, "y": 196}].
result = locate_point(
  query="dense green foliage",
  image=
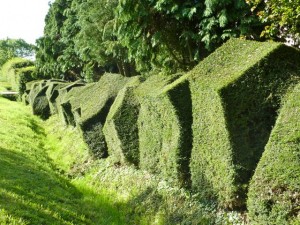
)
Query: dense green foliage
[
  {"x": 12, "y": 48},
  {"x": 17, "y": 72},
  {"x": 280, "y": 18},
  {"x": 85, "y": 38},
  {"x": 121, "y": 128},
  {"x": 274, "y": 193},
  {"x": 236, "y": 93},
  {"x": 164, "y": 125}
]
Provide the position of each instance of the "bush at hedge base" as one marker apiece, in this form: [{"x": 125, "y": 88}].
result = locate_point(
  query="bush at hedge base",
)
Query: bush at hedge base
[
  {"x": 164, "y": 126},
  {"x": 236, "y": 92},
  {"x": 121, "y": 129},
  {"x": 274, "y": 192}
]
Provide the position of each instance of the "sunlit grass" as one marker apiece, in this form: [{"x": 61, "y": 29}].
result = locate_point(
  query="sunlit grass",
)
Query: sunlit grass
[{"x": 31, "y": 189}]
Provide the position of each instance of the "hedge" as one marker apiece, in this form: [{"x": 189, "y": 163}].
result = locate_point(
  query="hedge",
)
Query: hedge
[
  {"x": 236, "y": 92},
  {"x": 52, "y": 94},
  {"x": 23, "y": 76},
  {"x": 164, "y": 125},
  {"x": 121, "y": 129},
  {"x": 66, "y": 96},
  {"x": 274, "y": 192},
  {"x": 18, "y": 71},
  {"x": 90, "y": 106}
]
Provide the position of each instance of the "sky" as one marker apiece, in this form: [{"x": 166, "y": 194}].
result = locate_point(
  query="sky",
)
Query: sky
[{"x": 23, "y": 19}]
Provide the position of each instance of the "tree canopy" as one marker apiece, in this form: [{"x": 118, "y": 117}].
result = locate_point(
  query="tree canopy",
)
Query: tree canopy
[
  {"x": 85, "y": 38},
  {"x": 11, "y": 48}
]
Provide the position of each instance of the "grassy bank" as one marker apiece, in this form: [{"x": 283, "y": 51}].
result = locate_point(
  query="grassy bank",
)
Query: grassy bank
[
  {"x": 31, "y": 189},
  {"x": 47, "y": 176}
]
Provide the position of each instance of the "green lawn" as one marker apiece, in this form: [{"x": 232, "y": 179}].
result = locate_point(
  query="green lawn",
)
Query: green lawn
[{"x": 32, "y": 191}]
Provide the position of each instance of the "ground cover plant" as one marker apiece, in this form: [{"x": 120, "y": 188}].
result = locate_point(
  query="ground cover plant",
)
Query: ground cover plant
[{"x": 274, "y": 193}]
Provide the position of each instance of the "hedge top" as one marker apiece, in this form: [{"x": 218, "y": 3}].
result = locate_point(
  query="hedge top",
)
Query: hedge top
[{"x": 230, "y": 61}]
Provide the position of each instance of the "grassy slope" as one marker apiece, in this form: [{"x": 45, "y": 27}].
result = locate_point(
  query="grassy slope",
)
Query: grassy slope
[{"x": 31, "y": 191}]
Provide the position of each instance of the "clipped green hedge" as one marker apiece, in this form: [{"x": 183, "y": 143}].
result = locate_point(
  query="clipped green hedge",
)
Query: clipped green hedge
[
  {"x": 18, "y": 71},
  {"x": 236, "y": 92},
  {"x": 68, "y": 96},
  {"x": 121, "y": 129},
  {"x": 23, "y": 76},
  {"x": 52, "y": 94},
  {"x": 88, "y": 108},
  {"x": 274, "y": 192},
  {"x": 165, "y": 127}
]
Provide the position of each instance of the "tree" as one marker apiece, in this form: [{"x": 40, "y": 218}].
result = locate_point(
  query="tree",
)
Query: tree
[
  {"x": 280, "y": 18},
  {"x": 56, "y": 56},
  {"x": 11, "y": 48},
  {"x": 174, "y": 35},
  {"x": 97, "y": 41}
]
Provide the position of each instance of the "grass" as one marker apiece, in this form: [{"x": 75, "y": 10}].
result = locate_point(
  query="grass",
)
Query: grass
[
  {"x": 48, "y": 176},
  {"x": 31, "y": 189}
]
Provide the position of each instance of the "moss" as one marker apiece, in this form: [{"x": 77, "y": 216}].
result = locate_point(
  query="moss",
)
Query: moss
[
  {"x": 164, "y": 125},
  {"x": 274, "y": 192},
  {"x": 236, "y": 93},
  {"x": 121, "y": 129}
]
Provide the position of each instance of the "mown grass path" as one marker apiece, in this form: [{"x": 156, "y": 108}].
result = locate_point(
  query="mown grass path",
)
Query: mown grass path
[{"x": 31, "y": 189}]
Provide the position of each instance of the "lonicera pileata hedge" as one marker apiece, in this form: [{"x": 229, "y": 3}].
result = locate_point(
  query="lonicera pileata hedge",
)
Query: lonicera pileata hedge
[
  {"x": 236, "y": 92},
  {"x": 274, "y": 192}
]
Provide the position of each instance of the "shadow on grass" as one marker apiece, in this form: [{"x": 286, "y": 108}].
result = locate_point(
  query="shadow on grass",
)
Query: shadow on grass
[{"x": 40, "y": 196}]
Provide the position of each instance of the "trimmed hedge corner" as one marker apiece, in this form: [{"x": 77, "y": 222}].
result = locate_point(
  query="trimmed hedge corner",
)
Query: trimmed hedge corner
[
  {"x": 274, "y": 192},
  {"x": 120, "y": 128},
  {"x": 164, "y": 124},
  {"x": 52, "y": 94},
  {"x": 88, "y": 107},
  {"x": 236, "y": 92}
]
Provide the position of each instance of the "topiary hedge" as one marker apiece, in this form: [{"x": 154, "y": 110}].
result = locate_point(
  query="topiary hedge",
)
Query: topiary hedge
[
  {"x": 274, "y": 192},
  {"x": 164, "y": 124},
  {"x": 89, "y": 106},
  {"x": 121, "y": 129},
  {"x": 52, "y": 94},
  {"x": 236, "y": 92},
  {"x": 69, "y": 95}
]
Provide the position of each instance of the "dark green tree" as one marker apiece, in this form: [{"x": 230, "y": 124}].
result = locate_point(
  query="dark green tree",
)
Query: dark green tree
[
  {"x": 56, "y": 56},
  {"x": 174, "y": 35},
  {"x": 97, "y": 41}
]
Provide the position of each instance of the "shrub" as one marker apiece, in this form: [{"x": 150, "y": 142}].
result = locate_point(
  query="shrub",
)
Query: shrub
[
  {"x": 66, "y": 95},
  {"x": 120, "y": 128},
  {"x": 88, "y": 107},
  {"x": 274, "y": 192},
  {"x": 23, "y": 76},
  {"x": 164, "y": 125},
  {"x": 52, "y": 94},
  {"x": 18, "y": 71},
  {"x": 236, "y": 93}
]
